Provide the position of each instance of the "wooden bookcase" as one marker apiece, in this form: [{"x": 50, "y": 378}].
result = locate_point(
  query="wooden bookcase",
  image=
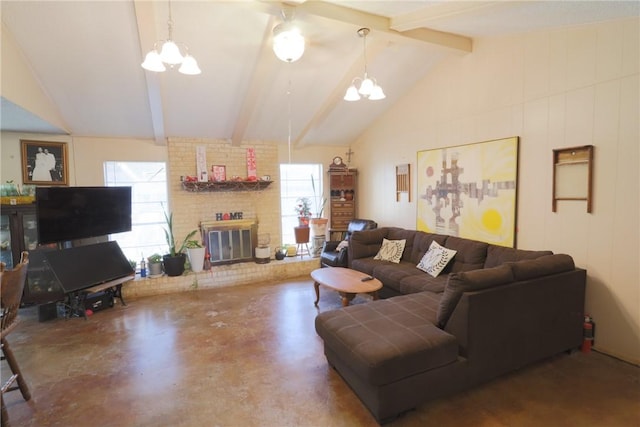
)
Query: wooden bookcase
[{"x": 343, "y": 196}]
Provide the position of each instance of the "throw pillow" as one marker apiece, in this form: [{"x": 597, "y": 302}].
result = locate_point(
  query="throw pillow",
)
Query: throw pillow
[
  {"x": 391, "y": 250},
  {"x": 342, "y": 245},
  {"x": 436, "y": 259}
]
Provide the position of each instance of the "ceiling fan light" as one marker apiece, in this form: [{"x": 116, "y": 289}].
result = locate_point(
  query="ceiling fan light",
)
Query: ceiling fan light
[
  {"x": 189, "y": 66},
  {"x": 352, "y": 94},
  {"x": 366, "y": 87},
  {"x": 288, "y": 43},
  {"x": 170, "y": 53},
  {"x": 377, "y": 94},
  {"x": 152, "y": 62}
]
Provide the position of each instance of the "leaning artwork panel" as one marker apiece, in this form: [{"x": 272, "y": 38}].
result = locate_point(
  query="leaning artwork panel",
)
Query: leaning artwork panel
[{"x": 470, "y": 191}]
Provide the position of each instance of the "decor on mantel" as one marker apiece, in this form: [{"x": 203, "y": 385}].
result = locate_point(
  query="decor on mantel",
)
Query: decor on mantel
[
  {"x": 170, "y": 54},
  {"x": 288, "y": 42},
  {"x": 229, "y": 186},
  {"x": 369, "y": 88}
]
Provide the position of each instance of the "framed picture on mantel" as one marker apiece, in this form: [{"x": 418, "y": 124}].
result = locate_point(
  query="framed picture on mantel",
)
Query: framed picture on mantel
[
  {"x": 218, "y": 173},
  {"x": 44, "y": 163}
]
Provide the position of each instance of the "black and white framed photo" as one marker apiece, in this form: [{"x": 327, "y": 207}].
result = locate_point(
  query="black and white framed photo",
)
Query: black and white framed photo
[{"x": 44, "y": 163}]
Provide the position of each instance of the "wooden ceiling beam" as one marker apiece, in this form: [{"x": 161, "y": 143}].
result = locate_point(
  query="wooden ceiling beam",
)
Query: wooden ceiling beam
[
  {"x": 262, "y": 70},
  {"x": 145, "y": 20},
  {"x": 382, "y": 24}
]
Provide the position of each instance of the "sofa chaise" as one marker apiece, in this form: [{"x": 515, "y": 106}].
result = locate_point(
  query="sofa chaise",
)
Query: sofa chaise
[{"x": 492, "y": 310}]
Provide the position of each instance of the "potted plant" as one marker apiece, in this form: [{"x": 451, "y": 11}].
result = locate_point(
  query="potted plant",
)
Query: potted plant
[
  {"x": 303, "y": 210},
  {"x": 174, "y": 260},
  {"x": 195, "y": 251},
  {"x": 281, "y": 252},
  {"x": 155, "y": 264},
  {"x": 318, "y": 224}
]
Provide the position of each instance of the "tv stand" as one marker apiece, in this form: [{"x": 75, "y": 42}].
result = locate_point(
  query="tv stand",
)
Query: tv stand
[{"x": 75, "y": 300}]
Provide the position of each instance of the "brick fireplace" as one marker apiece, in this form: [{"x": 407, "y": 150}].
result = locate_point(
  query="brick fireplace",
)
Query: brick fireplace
[{"x": 191, "y": 208}]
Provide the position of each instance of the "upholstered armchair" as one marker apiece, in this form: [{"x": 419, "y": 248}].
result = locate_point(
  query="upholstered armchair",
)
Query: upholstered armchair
[{"x": 334, "y": 253}]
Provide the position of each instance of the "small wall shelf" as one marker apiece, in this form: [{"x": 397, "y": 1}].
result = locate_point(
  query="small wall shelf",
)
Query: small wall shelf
[{"x": 196, "y": 187}]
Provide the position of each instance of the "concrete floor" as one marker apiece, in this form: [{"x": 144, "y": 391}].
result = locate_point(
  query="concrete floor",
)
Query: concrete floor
[{"x": 249, "y": 356}]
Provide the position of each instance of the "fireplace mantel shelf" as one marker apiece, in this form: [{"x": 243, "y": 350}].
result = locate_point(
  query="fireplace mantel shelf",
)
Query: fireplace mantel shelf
[{"x": 225, "y": 186}]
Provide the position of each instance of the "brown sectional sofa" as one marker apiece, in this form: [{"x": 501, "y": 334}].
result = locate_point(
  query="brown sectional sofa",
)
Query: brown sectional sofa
[{"x": 491, "y": 311}]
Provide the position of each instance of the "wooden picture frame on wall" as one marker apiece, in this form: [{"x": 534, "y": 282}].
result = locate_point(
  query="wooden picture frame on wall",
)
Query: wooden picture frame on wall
[
  {"x": 44, "y": 163},
  {"x": 470, "y": 191},
  {"x": 573, "y": 175}
]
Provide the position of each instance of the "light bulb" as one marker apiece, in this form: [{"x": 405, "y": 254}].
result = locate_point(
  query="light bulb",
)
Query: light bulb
[
  {"x": 152, "y": 62},
  {"x": 352, "y": 94},
  {"x": 288, "y": 43},
  {"x": 189, "y": 66},
  {"x": 170, "y": 53}
]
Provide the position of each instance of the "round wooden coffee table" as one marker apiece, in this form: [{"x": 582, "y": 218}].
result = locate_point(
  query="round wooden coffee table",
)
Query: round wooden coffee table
[{"x": 347, "y": 282}]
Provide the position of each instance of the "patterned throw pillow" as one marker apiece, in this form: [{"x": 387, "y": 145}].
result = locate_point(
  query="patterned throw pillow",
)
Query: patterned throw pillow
[
  {"x": 391, "y": 250},
  {"x": 436, "y": 259}
]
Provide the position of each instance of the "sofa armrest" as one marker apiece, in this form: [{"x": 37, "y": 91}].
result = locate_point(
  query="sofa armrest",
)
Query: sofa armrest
[
  {"x": 330, "y": 246},
  {"x": 504, "y": 328}
]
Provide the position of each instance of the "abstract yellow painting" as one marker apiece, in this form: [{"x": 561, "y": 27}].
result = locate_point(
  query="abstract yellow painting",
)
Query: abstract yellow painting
[{"x": 470, "y": 191}]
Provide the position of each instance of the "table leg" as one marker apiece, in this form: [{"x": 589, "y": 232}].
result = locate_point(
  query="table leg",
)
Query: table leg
[
  {"x": 316, "y": 286},
  {"x": 346, "y": 298}
]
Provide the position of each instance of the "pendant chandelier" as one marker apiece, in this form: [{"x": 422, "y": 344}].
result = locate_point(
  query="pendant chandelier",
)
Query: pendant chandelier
[
  {"x": 368, "y": 86},
  {"x": 170, "y": 54}
]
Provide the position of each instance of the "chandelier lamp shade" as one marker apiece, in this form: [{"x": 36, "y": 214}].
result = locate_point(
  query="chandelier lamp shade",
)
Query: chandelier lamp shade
[
  {"x": 364, "y": 87},
  {"x": 170, "y": 54},
  {"x": 288, "y": 41}
]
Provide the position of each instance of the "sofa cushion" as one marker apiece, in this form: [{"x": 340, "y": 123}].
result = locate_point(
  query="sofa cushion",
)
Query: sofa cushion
[
  {"x": 543, "y": 266},
  {"x": 391, "y": 274},
  {"x": 391, "y": 250},
  {"x": 497, "y": 255},
  {"x": 365, "y": 265},
  {"x": 420, "y": 282},
  {"x": 470, "y": 255},
  {"x": 421, "y": 243},
  {"x": 436, "y": 259},
  {"x": 475, "y": 280},
  {"x": 387, "y": 340}
]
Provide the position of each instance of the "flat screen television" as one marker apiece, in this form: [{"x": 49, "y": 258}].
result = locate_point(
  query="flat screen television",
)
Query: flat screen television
[
  {"x": 72, "y": 213},
  {"x": 85, "y": 266}
]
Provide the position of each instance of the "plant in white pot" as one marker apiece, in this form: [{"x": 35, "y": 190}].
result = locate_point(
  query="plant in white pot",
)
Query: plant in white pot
[
  {"x": 318, "y": 224},
  {"x": 196, "y": 252},
  {"x": 175, "y": 259}
]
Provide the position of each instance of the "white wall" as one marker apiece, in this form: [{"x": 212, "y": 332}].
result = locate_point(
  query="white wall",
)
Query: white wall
[{"x": 554, "y": 89}]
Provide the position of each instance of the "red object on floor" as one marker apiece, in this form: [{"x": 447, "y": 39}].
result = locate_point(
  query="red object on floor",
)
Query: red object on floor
[{"x": 587, "y": 337}]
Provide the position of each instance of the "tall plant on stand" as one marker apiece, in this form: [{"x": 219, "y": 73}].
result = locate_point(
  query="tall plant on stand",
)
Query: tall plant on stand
[{"x": 318, "y": 224}]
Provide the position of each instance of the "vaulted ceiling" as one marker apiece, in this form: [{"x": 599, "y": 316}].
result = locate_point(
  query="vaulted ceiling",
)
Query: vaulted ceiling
[{"x": 85, "y": 57}]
